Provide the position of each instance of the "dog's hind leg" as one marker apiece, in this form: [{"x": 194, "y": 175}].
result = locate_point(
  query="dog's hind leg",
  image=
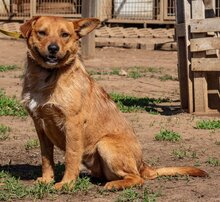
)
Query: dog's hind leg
[
  {"x": 127, "y": 181},
  {"x": 119, "y": 163}
]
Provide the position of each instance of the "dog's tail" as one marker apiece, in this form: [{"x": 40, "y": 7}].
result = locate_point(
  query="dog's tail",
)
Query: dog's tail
[{"x": 152, "y": 173}]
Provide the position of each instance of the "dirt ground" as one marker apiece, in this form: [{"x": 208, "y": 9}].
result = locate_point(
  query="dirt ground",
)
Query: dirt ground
[{"x": 202, "y": 143}]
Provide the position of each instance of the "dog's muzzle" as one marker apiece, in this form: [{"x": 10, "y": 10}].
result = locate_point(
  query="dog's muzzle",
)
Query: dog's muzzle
[{"x": 51, "y": 58}]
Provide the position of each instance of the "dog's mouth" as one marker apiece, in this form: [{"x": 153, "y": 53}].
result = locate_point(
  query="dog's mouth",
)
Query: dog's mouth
[{"x": 52, "y": 59}]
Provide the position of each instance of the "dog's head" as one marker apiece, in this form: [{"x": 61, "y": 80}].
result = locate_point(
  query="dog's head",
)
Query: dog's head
[{"x": 53, "y": 41}]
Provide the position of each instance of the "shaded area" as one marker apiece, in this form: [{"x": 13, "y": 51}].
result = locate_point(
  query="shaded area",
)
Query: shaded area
[
  {"x": 163, "y": 106},
  {"x": 32, "y": 172}
]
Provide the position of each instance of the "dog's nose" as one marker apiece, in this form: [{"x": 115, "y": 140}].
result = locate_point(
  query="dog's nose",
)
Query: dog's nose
[{"x": 53, "y": 48}]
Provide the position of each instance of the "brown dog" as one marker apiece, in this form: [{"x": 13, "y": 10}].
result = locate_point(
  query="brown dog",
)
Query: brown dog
[{"x": 71, "y": 111}]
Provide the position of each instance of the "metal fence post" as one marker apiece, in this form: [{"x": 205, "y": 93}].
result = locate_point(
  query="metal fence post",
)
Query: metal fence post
[{"x": 88, "y": 42}]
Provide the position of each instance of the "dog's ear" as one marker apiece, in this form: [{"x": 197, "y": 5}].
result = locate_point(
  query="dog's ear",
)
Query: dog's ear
[
  {"x": 85, "y": 25},
  {"x": 26, "y": 28}
]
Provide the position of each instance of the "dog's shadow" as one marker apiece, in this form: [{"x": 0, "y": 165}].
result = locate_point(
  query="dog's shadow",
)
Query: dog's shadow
[{"x": 32, "y": 172}]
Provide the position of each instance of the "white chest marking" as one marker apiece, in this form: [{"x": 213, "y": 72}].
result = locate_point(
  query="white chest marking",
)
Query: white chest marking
[{"x": 32, "y": 104}]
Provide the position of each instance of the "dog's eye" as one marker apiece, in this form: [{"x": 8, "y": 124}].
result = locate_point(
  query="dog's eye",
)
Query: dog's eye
[
  {"x": 41, "y": 33},
  {"x": 65, "y": 35}
]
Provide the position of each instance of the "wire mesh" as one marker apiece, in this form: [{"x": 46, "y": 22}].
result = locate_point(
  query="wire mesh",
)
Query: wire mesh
[
  {"x": 20, "y": 9},
  {"x": 108, "y": 9},
  {"x": 133, "y": 9},
  {"x": 15, "y": 8},
  {"x": 58, "y": 7}
]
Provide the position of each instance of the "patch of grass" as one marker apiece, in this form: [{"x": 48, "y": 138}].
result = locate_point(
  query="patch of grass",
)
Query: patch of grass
[
  {"x": 167, "y": 77},
  {"x": 131, "y": 194},
  {"x": 4, "y": 68},
  {"x": 40, "y": 190},
  {"x": 212, "y": 161},
  {"x": 135, "y": 74},
  {"x": 82, "y": 184},
  {"x": 10, "y": 106},
  {"x": 12, "y": 189},
  {"x": 32, "y": 144},
  {"x": 134, "y": 104},
  {"x": 167, "y": 135},
  {"x": 208, "y": 124},
  {"x": 197, "y": 163},
  {"x": 217, "y": 142},
  {"x": 4, "y": 130},
  {"x": 184, "y": 153},
  {"x": 114, "y": 71},
  {"x": 153, "y": 70}
]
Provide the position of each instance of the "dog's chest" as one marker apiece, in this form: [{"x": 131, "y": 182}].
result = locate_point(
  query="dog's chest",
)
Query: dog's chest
[{"x": 49, "y": 117}]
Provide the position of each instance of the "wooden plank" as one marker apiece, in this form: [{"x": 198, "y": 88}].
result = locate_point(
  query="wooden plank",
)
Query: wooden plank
[
  {"x": 200, "y": 78},
  {"x": 205, "y": 64},
  {"x": 205, "y": 25},
  {"x": 203, "y": 44},
  {"x": 88, "y": 42}
]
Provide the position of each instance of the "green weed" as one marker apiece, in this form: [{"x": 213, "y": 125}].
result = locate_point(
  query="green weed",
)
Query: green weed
[
  {"x": 10, "y": 106},
  {"x": 4, "y": 130},
  {"x": 217, "y": 142},
  {"x": 153, "y": 70},
  {"x": 128, "y": 195},
  {"x": 208, "y": 124},
  {"x": 40, "y": 190},
  {"x": 115, "y": 71},
  {"x": 131, "y": 194},
  {"x": 4, "y": 68},
  {"x": 11, "y": 188},
  {"x": 212, "y": 161},
  {"x": 184, "y": 153},
  {"x": 82, "y": 184},
  {"x": 167, "y": 135},
  {"x": 167, "y": 77},
  {"x": 32, "y": 144},
  {"x": 135, "y": 74}
]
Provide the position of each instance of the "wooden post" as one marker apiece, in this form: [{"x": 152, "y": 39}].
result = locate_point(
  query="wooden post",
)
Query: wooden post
[
  {"x": 200, "y": 78},
  {"x": 183, "y": 16},
  {"x": 162, "y": 10},
  {"x": 88, "y": 42}
]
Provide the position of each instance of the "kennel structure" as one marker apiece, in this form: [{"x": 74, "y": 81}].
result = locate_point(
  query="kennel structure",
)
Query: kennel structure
[
  {"x": 197, "y": 31},
  {"x": 118, "y": 11}
]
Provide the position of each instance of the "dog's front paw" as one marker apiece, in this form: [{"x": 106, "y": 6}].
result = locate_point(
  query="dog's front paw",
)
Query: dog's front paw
[
  {"x": 65, "y": 185},
  {"x": 111, "y": 186},
  {"x": 45, "y": 180}
]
